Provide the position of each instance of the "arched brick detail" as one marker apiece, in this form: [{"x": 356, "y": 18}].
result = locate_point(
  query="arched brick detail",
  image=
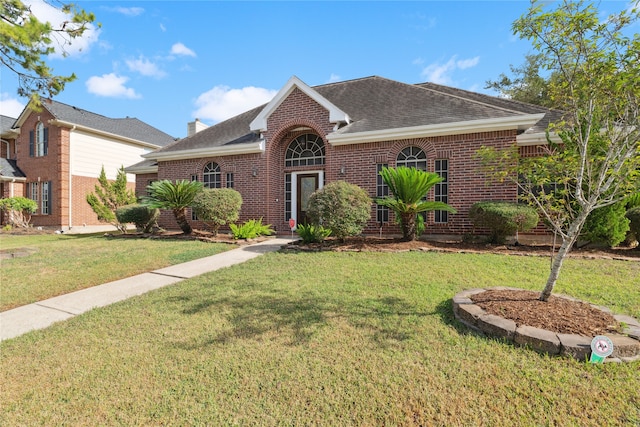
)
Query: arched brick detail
[
  {"x": 424, "y": 144},
  {"x": 285, "y": 134}
]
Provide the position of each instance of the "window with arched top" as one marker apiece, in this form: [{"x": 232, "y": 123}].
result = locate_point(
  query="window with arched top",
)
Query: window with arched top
[
  {"x": 412, "y": 157},
  {"x": 305, "y": 150},
  {"x": 211, "y": 175},
  {"x": 38, "y": 141}
]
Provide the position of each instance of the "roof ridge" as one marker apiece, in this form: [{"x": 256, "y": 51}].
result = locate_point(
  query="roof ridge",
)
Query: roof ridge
[{"x": 434, "y": 89}]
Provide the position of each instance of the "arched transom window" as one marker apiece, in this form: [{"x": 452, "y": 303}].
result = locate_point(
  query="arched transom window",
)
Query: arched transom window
[
  {"x": 305, "y": 150},
  {"x": 412, "y": 157},
  {"x": 211, "y": 175}
]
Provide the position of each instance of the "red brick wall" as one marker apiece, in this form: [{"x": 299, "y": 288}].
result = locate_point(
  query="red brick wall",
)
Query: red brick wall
[{"x": 264, "y": 195}]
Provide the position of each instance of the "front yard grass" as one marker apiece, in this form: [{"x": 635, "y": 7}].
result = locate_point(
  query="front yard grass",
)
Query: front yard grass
[
  {"x": 320, "y": 339},
  {"x": 60, "y": 264}
]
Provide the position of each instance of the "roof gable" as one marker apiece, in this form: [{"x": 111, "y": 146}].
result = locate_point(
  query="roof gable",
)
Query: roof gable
[{"x": 336, "y": 115}]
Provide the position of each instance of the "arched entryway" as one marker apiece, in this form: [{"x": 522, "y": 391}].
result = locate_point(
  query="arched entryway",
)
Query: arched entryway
[{"x": 304, "y": 173}]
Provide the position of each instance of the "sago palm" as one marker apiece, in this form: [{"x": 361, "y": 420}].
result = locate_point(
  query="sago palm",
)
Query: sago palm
[
  {"x": 177, "y": 197},
  {"x": 408, "y": 187}
]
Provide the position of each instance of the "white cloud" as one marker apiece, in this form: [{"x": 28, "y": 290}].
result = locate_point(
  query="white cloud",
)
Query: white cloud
[
  {"x": 180, "y": 49},
  {"x": 145, "y": 67},
  {"x": 163, "y": 28},
  {"x": 64, "y": 46},
  {"x": 442, "y": 73},
  {"x": 334, "y": 78},
  {"x": 222, "y": 102},
  {"x": 127, "y": 11},
  {"x": 112, "y": 86},
  {"x": 10, "y": 106}
]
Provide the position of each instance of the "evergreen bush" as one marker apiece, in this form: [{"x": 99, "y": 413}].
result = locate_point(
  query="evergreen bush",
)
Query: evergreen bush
[
  {"x": 607, "y": 225},
  {"x": 503, "y": 219},
  {"x": 144, "y": 217},
  {"x": 633, "y": 215},
  {"x": 341, "y": 207},
  {"x": 217, "y": 207}
]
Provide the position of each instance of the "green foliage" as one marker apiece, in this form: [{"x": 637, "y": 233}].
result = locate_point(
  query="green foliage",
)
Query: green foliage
[
  {"x": 341, "y": 207},
  {"x": 18, "y": 210},
  {"x": 312, "y": 233},
  {"x": 176, "y": 197},
  {"x": 526, "y": 85},
  {"x": 217, "y": 207},
  {"x": 251, "y": 229},
  {"x": 633, "y": 201},
  {"x": 503, "y": 219},
  {"x": 144, "y": 217},
  {"x": 26, "y": 41},
  {"x": 606, "y": 225},
  {"x": 633, "y": 215},
  {"x": 593, "y": 155},
  {"x": 409, "y": 187},
  {"x": 109, "y": 196}
]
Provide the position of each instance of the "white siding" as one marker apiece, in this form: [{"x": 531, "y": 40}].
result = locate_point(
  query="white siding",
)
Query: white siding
[{"x": 90, "y": 152}]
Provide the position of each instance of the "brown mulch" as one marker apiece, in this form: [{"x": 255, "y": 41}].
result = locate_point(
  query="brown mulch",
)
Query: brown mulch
[{"x": 558, "y": 314}]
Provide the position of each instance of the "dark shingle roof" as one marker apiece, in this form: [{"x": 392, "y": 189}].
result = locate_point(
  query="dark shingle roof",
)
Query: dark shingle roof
[
  {"x": 128, "y": 127},
  {"x": 9, "y": 169},
  {"x": 373, "y": 104},
  {"x": 6, "y": 123}
]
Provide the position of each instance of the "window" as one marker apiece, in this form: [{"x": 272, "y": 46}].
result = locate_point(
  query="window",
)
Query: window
[
  {"x": 194, "y": 217},
  {"x": 38, "y": 141},
  {"x": 287, "y": 196},
  {"x": 211, "y": 175},
  {"x": 305, "y": 150},
  {"x": 46, "y": 198},
  {"x": 229, "y": 180},
  {"x": 412, "y": 157},
  {"x": 442, "y": 189},
  {"x": 382, "y": 212},
  {"x": 33, "y": 192}
]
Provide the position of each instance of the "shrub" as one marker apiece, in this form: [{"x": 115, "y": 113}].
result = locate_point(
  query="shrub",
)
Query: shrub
[
  {"x": 607, "y": 225},
  {"x": 503, "y": 219},
  {"x": 633, "y": 215},
  {"x": 217, "y": 207},
  {"x": 311, "y": 233},
  {"x": 144, "y": 217},
  {"x": 341, "y": 207},
  {"x": 18, "y": 210},
  {"x": 251, "y": 229}
]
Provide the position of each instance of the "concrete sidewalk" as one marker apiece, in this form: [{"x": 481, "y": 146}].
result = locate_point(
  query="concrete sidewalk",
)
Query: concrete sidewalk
[{"x": 42, "y": 314}]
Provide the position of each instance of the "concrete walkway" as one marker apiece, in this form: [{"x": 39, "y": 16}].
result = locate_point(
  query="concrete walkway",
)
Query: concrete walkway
[{"x": 42, "y": 314}]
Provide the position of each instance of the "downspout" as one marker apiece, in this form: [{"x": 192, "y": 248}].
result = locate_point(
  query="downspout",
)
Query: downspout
[{"x": 70, "y": 181}]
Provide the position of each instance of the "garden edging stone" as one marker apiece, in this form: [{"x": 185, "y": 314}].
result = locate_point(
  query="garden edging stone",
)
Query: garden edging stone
[{"x": 626, "y": 345}]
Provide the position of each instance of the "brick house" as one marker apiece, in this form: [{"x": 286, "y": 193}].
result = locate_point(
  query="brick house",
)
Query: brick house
[
  {"x": 277, "y": 154},
  {"x": 54, "y": 156}
]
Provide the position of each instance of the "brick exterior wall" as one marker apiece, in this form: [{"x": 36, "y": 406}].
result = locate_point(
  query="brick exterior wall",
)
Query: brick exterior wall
[
  {"x": 54, "y": 167},
  {"x": 264, "y": 195}
]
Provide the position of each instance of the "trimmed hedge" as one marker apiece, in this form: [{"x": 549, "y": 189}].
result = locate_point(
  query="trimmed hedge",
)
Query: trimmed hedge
[
  {"x": 503, "y": 219},
  {"x": 217, "y": 207},
  {"x": 144, "y": 217},
  {"x": 633, "y": 215},
  {"x": 342, "y": 207}
]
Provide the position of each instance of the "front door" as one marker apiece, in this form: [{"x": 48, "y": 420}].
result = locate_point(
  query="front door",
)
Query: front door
[{"x": 306, "y": 185}]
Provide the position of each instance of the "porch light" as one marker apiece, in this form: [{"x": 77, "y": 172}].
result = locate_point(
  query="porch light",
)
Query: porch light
[
  {"x": 343, "y": 170},
  {"x": 254, "y": 171}
]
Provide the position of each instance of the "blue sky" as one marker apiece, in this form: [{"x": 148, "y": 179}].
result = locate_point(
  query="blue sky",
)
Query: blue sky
[{"x": 168, "y": 62}]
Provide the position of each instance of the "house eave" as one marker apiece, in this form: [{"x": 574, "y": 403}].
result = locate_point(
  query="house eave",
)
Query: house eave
[
  {"x": 4, "y": 178},
  {"x": 252, "y": 148},
  {"x": 520, "y": 122},
  {"x": 540, "y": 138},
  {"x": 74, "y": 126},
  {"x": 141, "y": 170}
]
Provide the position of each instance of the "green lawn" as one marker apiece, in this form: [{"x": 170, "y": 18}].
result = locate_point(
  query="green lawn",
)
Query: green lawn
[
  {"x": 61, "y": 264},
  {"x": 320, "y": 339}
]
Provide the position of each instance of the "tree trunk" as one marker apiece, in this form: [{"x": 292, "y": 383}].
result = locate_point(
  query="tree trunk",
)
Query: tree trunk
[
  {"x": 408, "y": 227},
  {"x": 181, "y": 218},
  {"x": 567, "y": 244}
]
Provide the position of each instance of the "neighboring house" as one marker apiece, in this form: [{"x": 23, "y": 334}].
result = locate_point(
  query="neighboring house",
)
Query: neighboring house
[
  {"x": 55, "y": 155},
  {"x": 277, "y": 154}
]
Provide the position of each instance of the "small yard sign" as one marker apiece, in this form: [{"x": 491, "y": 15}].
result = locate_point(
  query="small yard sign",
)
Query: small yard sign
[
  {"x": 292, "y": 223},
  {"x": 601, "y": 347}
]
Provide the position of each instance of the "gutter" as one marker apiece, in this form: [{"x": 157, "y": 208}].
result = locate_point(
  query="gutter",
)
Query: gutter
[
  {"x": 521, "y": 122},
  {"x": 73, "y": 126},
  {"x": 253, "y": 148}
]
